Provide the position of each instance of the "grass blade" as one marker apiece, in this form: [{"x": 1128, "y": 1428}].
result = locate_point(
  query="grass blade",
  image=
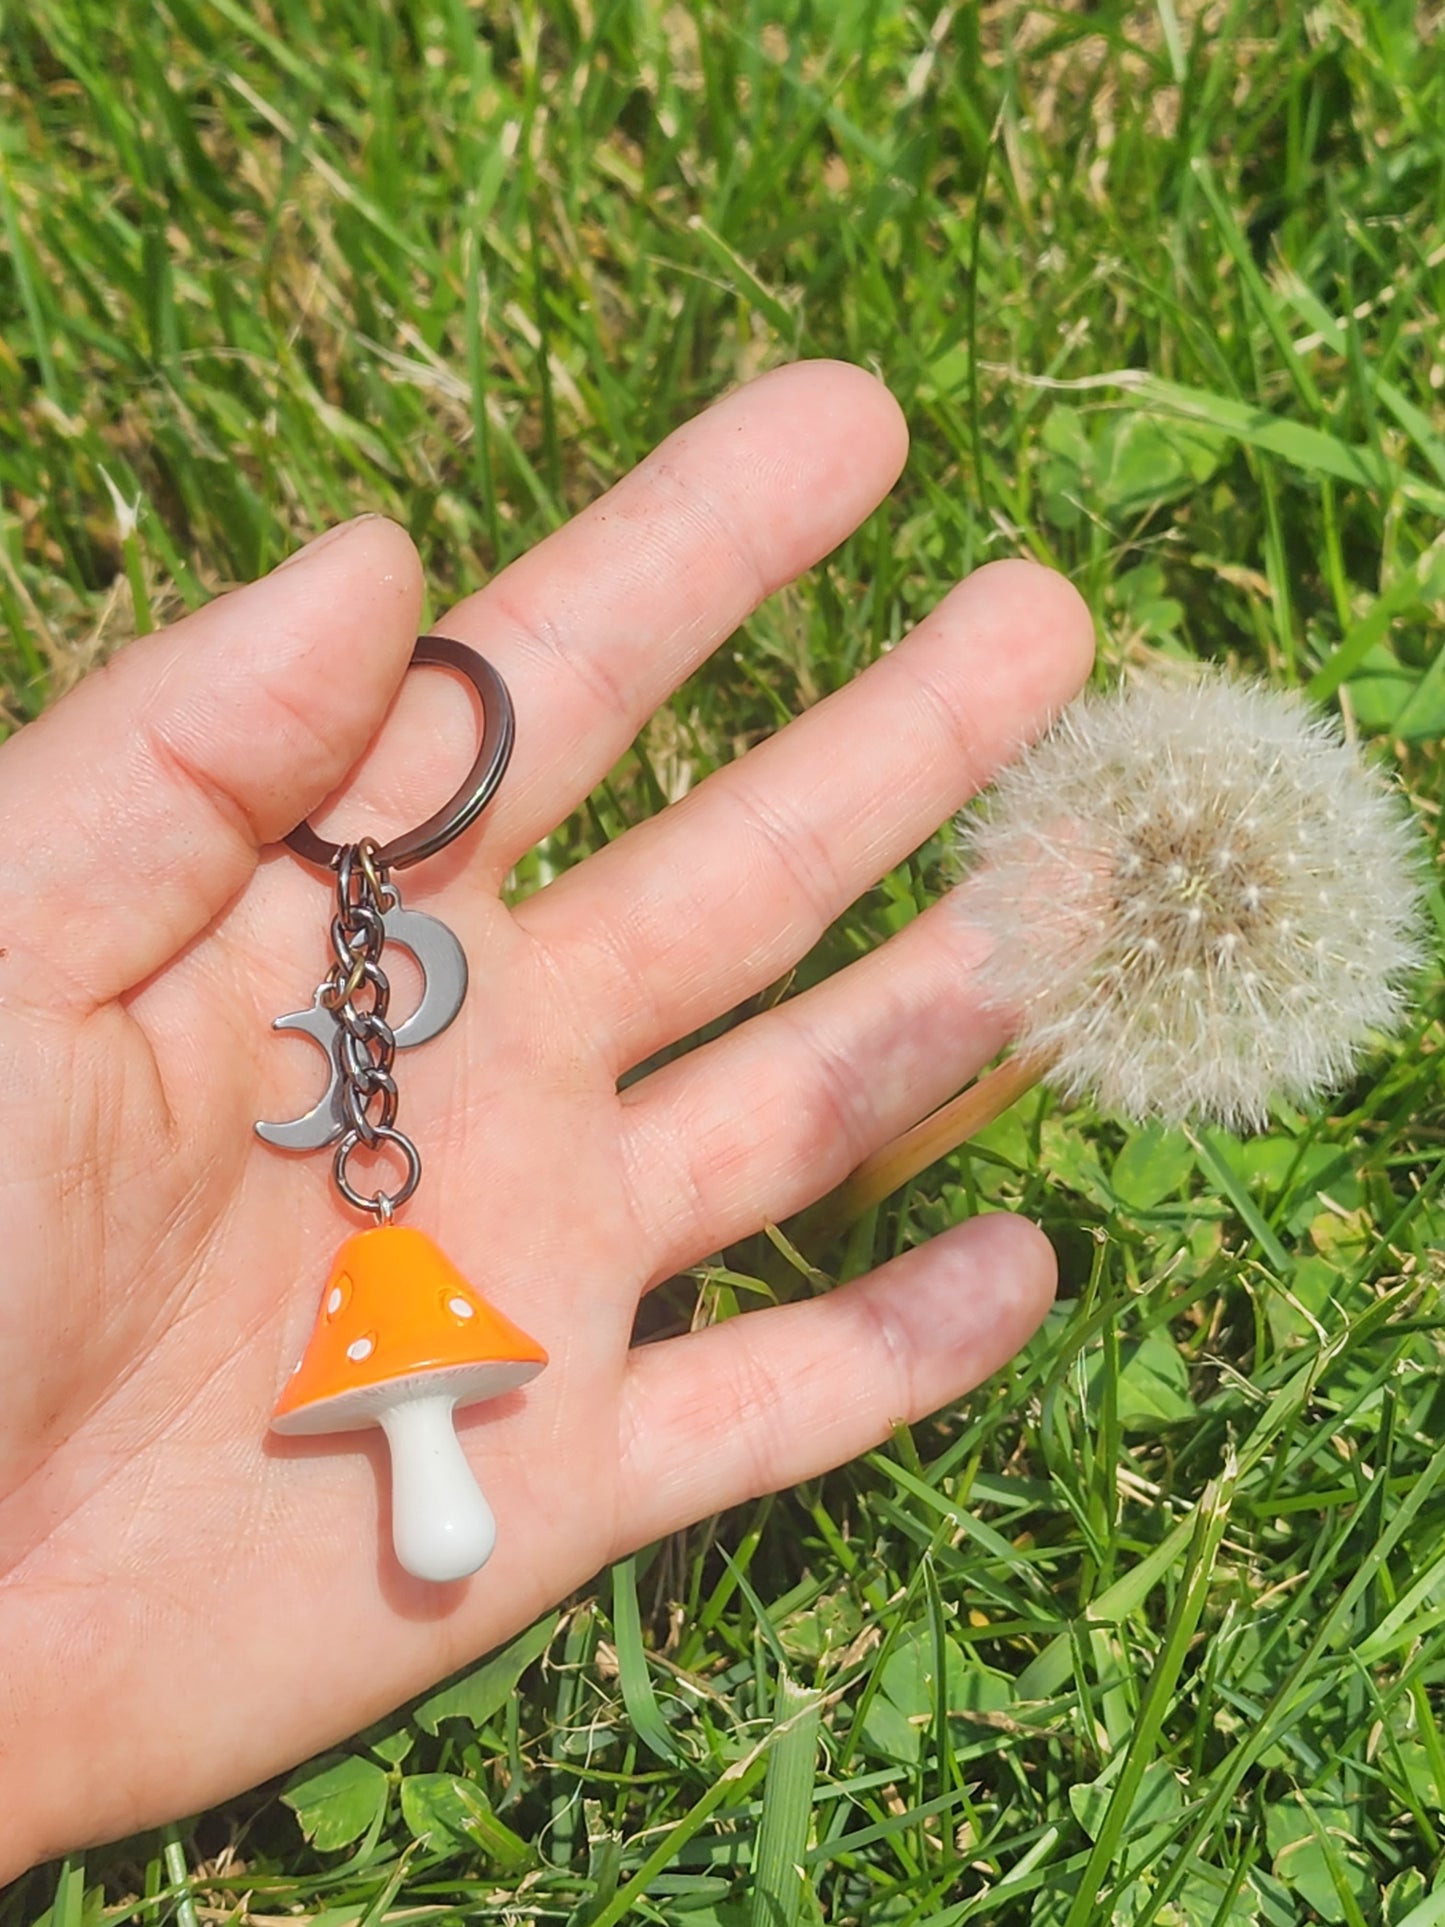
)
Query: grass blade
[
  {"x": 735, "y": 1780},
  {"x": 780, "y": 1883},
  {"x": 1211, "y": 1517},
  {"x": 632, "y": 1672}
]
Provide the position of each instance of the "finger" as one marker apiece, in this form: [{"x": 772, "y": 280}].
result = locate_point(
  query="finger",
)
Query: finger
[
  {"x": 597, "y": 625},
  {"x": 772, "y": 1397},
  {"x": 686, "y": 915},
  {"x": 135, "y": 808},
  {"x": 750, "y": 1128}
]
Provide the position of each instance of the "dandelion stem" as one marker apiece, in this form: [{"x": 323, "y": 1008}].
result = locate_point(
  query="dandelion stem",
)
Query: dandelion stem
[{"x": 954, "y": 1123}]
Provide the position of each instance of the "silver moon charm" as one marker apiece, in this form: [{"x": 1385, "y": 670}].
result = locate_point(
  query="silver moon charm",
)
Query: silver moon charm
[
  {"x": 443, "y": 965},
  {"x": 323, "y": 1123}
]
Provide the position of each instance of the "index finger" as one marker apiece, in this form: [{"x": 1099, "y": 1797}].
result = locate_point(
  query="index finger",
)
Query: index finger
[{"x": 602, "y": 621}]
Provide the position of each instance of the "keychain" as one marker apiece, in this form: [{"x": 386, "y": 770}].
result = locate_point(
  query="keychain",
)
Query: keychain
[{"x": 401, "y": 1338}]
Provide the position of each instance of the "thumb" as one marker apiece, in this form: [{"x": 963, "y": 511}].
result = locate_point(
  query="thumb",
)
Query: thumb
[{"x": 134, "y": 810}]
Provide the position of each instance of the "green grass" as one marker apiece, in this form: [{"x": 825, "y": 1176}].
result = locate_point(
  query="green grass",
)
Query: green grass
[{"x": 1153, "y": 1628}]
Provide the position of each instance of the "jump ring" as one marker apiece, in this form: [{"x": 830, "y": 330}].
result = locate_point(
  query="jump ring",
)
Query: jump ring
[{"x": 394, "y": 1199}]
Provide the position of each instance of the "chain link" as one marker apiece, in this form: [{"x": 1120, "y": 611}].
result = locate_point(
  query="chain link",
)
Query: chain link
[{"x": 357, "y": 992}]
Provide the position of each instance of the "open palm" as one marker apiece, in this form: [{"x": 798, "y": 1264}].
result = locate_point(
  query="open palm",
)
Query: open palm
[{"x": 188, "y": 1604}]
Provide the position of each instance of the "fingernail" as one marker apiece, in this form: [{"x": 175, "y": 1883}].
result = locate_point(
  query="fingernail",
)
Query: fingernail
[{"x": 318, "y": 543}]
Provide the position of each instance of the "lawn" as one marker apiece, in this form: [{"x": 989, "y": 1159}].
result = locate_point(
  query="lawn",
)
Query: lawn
[{"x": 1152, "y": 1628}]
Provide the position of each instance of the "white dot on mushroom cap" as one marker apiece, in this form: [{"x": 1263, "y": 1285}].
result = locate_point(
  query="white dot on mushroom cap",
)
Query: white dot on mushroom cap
[
  {"x": 333, "y": 1300},
  {"x": 360, "y": 1348},
  {"x": 460, "y": 1308}
]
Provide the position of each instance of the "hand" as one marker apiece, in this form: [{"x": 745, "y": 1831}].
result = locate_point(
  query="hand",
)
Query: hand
[{"x": 187, "y": 1604}]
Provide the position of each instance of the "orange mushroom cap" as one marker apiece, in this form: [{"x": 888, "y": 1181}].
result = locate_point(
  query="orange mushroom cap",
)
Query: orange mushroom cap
[{"x": 397, "y": 1321}]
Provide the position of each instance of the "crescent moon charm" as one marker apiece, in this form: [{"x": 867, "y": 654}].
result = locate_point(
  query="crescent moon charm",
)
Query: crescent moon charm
[
  {"x": 322, "y": 1124},
  {"x": 443, "y": 965}
]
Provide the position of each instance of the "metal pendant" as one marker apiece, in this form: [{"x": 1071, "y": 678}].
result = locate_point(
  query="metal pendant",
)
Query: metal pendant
[{"x": 443, "y": 965}]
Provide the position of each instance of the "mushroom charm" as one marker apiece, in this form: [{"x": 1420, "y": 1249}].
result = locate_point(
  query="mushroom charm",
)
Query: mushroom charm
[{"x": 401, "y": 1340}]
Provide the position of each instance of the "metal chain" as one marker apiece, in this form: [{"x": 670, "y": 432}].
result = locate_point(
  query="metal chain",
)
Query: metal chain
[{"x": 357, "y": 992}]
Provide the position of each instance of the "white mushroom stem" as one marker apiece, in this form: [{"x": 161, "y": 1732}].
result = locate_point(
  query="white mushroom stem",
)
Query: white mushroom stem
[{"x": 441, "y": 1525}]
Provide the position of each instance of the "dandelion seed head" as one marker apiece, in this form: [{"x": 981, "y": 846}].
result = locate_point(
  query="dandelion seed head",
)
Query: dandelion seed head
[{"x": 1199, "y": 898}]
